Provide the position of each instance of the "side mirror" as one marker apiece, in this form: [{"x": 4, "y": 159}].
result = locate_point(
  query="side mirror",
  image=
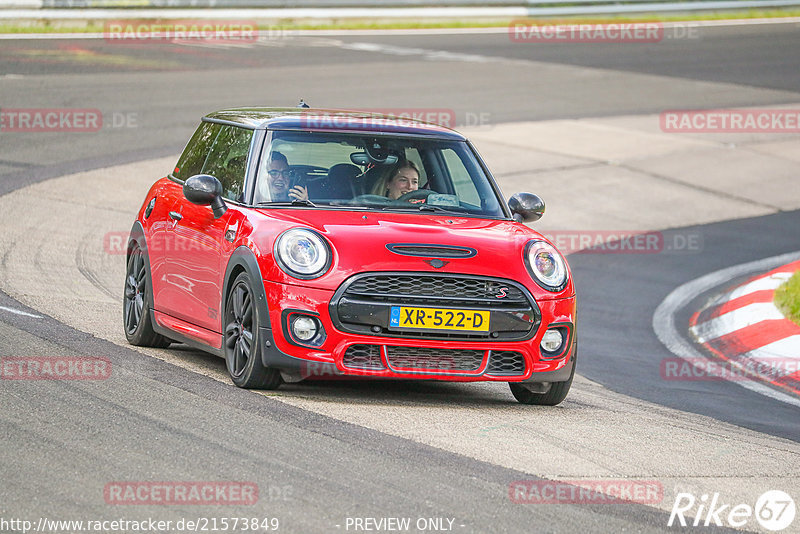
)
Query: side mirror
[
  {"x": 526, "y": 207},
  {"x": 205, "y": 190}
]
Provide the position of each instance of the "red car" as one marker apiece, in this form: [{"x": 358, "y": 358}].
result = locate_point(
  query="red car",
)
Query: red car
[{"x": 297, "y": 243}]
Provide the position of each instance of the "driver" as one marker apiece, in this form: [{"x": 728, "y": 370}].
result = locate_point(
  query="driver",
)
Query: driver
[
  {"x": 403, "y": 178},
  {"x": 279, "y": 179}
]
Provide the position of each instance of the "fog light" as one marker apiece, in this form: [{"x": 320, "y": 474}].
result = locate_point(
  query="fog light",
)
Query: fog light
[
  {"x": 304, "y": 328},
  {"x": 552, "y": 340}
]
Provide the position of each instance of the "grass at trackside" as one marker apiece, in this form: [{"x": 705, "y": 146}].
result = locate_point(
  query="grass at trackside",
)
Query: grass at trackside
[
  {"x": 98, "y": 26},
  {"x": 787, "y": 298}
]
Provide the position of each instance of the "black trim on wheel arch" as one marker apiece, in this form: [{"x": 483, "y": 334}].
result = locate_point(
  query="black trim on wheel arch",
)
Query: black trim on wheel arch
[
  {"x": 246, "y": 259},
  {"x": 271, "y": 356},
  {"x": 137, "y": 234},
  {"x": 560, "y": 375}
]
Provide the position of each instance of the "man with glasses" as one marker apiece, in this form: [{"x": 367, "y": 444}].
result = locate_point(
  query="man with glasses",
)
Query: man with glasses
[{"x": 280, "y": 179}]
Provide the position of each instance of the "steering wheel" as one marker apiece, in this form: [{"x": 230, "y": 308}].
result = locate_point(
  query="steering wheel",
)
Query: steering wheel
[{"x": 415, "y": 195}]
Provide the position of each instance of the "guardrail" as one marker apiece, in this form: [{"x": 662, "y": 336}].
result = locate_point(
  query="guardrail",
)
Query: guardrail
[{"x": 413, "y": 8}]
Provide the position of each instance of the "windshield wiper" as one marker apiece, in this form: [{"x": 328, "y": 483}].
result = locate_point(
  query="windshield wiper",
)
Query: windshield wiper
[
  {"x": 420, "y": 207},
  {"x": 432, "y": 207},
  {"x": 295, "y": 202},
  {"x": 391, "y": 207}
]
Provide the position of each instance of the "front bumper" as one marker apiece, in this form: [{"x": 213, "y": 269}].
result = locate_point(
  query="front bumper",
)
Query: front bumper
[{"x": 380, "y": 356}]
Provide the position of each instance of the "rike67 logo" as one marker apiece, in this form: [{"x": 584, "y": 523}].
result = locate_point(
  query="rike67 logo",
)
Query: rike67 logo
[{"x": 774, "y": 510}]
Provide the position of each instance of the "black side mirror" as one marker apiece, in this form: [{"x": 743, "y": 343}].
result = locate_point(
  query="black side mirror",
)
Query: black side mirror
[
  {"x": 205, "y": 190},
  {"x": 526, "y": 207}
]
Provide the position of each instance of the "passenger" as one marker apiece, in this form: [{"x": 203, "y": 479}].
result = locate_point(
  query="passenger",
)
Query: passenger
[
  {"x": 402, "y": 179},
  {"x": 280, "y": 181}
]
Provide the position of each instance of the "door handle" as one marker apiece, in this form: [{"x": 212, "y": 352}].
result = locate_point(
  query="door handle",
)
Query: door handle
[{"x": 175, "y": 216}]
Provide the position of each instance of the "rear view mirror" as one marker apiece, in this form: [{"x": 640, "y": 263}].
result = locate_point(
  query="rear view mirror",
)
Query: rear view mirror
[{"x": 359, "y": 158}]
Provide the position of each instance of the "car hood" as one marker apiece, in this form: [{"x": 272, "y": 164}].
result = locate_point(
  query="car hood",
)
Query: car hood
[{"x": 360, "y": 239}]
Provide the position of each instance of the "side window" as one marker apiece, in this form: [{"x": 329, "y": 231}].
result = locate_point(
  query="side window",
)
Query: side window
[
  {"x": 462, "y": 182},
  {"x": 227, "y": 161},
  {"x": 196, "y": 151}
]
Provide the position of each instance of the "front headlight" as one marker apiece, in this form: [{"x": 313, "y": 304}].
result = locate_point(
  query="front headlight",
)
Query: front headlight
[
  {"x": 302, "y": 253},
  {"x": 546, "y": 265}
]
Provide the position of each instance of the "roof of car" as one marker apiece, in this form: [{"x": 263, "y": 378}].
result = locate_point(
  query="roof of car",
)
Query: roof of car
[{"x": 330, "y": 120}]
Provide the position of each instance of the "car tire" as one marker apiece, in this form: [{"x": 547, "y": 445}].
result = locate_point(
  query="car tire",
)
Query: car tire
[
  {"x": 557, "y": 392},
  {"x": 240, "y": 343},
  {"x": 136, "y": 314}
]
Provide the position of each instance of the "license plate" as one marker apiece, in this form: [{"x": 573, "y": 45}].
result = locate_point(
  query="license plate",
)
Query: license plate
[{"x": 439, "y": 319}]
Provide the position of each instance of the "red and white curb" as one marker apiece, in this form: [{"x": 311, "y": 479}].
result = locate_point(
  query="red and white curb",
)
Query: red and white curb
[{"x": 744, "y": 327}]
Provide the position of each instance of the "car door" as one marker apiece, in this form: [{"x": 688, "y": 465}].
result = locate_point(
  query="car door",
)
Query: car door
[
  {"x": 166, "y": 288},
  {"x": 201, "y": 243}
]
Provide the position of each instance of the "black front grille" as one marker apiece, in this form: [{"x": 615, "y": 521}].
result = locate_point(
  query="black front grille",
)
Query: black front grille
[
  {"x": 363, "y": 357},
  {"x": 434, "y": 359},
  {"x": 363, "y": 304},
  {"x": 427, "y": 359},
  {"x": 506, "y": 363},
  {"x": 478, "y": 290}
]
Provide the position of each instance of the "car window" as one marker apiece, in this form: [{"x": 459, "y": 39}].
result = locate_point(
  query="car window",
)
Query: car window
[
  {"x": 227, "y": 161},
  {"x": 365, "y": 172},
  {"x": 461, "y": 178},
  {"x": 196, "y": 151}
]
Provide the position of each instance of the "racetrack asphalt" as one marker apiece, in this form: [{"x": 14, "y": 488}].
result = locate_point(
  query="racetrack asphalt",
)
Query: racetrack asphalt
[{"x": 379, "y": 450}]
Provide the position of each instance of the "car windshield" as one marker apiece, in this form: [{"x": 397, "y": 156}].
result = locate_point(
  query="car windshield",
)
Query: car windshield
[{"x": 374, "y": 173}]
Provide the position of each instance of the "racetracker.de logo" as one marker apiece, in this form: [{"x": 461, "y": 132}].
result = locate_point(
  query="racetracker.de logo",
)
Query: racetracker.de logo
[
  {"x": 625, "y": 241},
  {"x": 702, "y": 369},
  {"x": 522, "y": 31},
  {"x": 115, "y": 243},
  {"x": 54, "y": 368},
  {"x": 597, "y": 491},
  {"x": 606, "y": 241},
  {"x": 181, "y": 493},
  {"x": 320, "y": 370},
  {"x": 380, "y": 117},
  {"x": 731, "y": 121},
  {"x": 50, "y": 120},
  {"x": 239, "y": 31}
]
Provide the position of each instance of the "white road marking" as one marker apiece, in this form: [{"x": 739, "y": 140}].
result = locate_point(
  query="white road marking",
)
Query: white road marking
[
  {"x": 434, "y": 55},
  {"x": 667, "y": 332},
  {"x": 773, "y": 281},
  {"x": 735, "y": 320},
  {"x": 19, "y": 312},
  {"x": 786, "y": 348},
  {"x": 222, "y": 44}
]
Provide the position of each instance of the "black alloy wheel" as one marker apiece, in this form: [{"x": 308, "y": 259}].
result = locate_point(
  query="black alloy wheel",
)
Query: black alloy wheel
[
  {"x": 136, "y": 315},
  {"x": 242, "y": 351}
]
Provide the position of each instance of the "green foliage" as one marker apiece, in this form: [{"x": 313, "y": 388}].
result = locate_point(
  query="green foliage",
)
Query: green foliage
[{"x": 787, "y": 298}]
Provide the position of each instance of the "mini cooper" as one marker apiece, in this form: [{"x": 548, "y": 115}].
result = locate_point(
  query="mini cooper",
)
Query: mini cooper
[{"x": 303, "y": 243}]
